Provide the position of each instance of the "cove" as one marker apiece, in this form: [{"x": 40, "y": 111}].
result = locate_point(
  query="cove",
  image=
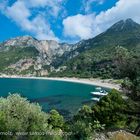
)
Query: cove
[{"x": 65, "y": 97}]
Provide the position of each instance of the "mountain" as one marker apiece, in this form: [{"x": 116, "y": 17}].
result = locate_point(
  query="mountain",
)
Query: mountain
[
  {"x": 24, "y": 55},
  {"x": 123, "y": 33},
  {"x": 88, "y": 58},
  {"x": 93, "y": 57}
]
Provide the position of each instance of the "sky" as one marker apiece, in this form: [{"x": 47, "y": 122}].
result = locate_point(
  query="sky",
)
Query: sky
[{"x": 63, "y": 20}]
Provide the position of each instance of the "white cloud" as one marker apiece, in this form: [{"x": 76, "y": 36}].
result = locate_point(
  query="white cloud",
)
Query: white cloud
[
  {"x": 53, "y": 7},
  {"x": 42, "y": 28},
  {"x": 87, "y": 26},
  {"x": 78, "y": 25},
  {"x": 22, "y": 12},
  {"x": 34, "y": 16},
  {"x": 19, "y": 13},
  {"x": 87, "y": 5}
]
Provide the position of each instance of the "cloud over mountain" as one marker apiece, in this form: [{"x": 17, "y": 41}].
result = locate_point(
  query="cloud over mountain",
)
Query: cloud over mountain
[{"x": 88, "y": 25}]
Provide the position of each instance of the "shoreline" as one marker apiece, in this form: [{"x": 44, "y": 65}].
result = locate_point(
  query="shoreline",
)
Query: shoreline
[{"x": 92, "y": 81}]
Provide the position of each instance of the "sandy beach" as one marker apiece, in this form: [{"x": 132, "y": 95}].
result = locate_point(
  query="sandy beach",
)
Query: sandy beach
[{"x": 97, "y": 82}]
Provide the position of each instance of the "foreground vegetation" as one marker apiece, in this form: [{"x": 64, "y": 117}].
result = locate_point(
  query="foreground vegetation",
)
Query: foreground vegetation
[{"x": 21, "y": 119}]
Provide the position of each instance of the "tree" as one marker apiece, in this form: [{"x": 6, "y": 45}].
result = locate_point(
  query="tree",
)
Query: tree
[
  {"x": 128, "y": 65},
  {"x": 56, "y": 120},
  {"x": 84, "y": 114},
  {"x": 109, "y": 110},
  {"x": 121, "y": 57},
  {"x": 81, "y": 130}
]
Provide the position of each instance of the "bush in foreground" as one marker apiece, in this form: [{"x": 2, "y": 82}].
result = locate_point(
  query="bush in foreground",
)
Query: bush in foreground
[{"x": 18, "y": 115}]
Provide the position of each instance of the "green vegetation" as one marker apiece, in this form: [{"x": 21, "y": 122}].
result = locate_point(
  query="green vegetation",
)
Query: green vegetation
[
  {"x": 18, "y": 115},
  {"x": 110, "y": 110},
  {"x": 97, "y": 62},
  {"x": 93, "y": 63},
  {"x": 128, "y": 66},
  {"x": 27, "y": 71},
  {"x": 14, "y": 54},
  {"x": 96, "y": 56}
]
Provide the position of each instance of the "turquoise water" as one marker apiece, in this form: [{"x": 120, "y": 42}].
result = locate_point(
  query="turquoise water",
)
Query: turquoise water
[{"x": 66, "y": 97}]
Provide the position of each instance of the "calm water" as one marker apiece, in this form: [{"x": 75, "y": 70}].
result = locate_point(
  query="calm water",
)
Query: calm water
[{"x": 66, "y": 97}]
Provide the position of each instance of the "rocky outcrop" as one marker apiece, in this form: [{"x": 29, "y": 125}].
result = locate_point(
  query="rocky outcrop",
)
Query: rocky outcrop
[
  {"x": 116, "y": 135},
  {"x": 47, "y": 48},
  {"x": 48, "y": 52}
]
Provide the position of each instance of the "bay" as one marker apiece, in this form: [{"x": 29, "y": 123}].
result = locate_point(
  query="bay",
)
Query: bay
[{"x": 66, "y": 97}]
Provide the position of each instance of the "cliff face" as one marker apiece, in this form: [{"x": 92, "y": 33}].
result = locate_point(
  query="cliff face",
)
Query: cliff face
[
  {"x": 47, "y": 47},
  {"x": 27, "y": 55}
]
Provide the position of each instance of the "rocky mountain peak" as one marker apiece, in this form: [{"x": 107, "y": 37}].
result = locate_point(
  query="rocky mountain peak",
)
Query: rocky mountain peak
[
  {"x": 49, "y": 47},
  {"x": 124, "y": 25}
]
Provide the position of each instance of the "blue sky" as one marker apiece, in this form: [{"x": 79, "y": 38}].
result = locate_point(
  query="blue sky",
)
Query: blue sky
[{"x": 63, "y": 20}]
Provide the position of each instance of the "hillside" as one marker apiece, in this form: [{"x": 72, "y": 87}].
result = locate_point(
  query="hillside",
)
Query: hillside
[
  {"x": 94, "y": 57},
  {"x": 29, "y": 56}
]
